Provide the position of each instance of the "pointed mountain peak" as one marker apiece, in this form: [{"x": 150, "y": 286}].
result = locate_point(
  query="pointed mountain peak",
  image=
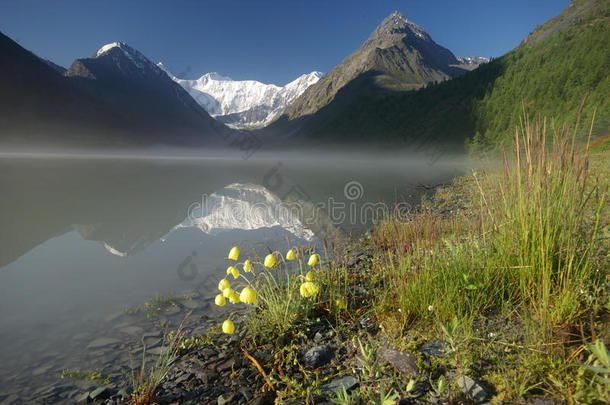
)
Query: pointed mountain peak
[
  {"x": 397, "y": 24},
  {"x": 118, "y": 51},
  {"x": 164, "y": 68},
  {"x": 108, "y": 47}
]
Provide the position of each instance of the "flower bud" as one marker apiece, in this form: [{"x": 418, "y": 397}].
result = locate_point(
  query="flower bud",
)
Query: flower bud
[
  {"x": 232, "y": 270},
  {"x": 247, "y": 295},
  {"x": 291, "y": 255},
  {"x": 234, "y": 253},
  {"x": 313, "y": 259},
  {"x": 269, "y": 260},
  {"x": 248, "y": 266},
  {"x": 228, "y": 327},
  {"x": 309, "y": 289},
  {"x": 224, "y": 284},
  {"x": 220, "y": 300},
  {"x": 233, "y": 297}
]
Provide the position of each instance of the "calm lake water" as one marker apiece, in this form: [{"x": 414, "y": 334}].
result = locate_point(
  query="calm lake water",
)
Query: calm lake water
[{"x": 84, "y": 240}]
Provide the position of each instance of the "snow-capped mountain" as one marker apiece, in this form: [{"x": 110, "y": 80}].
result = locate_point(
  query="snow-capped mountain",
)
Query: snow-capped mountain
[
  {"x": 123, "y": 77},
  {"x": 244, "y": 103},
  {"x": 472, "y": 60}
]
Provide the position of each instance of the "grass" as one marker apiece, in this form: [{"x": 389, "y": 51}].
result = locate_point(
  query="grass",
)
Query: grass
[
  {"x": 146, "y": 378},
  {"x": 525, "y": 255},
  {"x": 281, "y": 308}
]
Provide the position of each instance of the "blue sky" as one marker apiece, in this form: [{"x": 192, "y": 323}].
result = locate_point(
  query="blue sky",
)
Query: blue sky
[{"x": 273, "y": 41}]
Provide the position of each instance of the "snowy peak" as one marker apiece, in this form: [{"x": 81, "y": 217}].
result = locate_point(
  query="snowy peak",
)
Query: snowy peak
[
  {"x": 243, "y": 104},
  {"x": 121, "y": 53},
  {"x": 106, "y": 48},
  {"x": 214, "y": 76},
  {"x": 472, "y": 60},
  {"x": 397, "y": 23}
]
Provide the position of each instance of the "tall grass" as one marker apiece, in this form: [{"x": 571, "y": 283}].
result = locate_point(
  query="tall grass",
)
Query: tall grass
[
  {"x": 527, "y": 247},
  {"x": 544, "y": 228}
]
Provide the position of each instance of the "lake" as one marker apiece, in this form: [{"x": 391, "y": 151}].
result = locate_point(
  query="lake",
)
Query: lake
[{"x": 85, "y": 240}]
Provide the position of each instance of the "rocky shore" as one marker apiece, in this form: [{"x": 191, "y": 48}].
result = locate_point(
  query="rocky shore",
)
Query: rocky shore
[{"x": 235, "y": 369}]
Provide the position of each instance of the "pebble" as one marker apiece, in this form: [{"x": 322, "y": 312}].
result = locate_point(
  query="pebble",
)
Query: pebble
[
  {"x": 406, "y": 363},
  {"x": 318, "y": 356},
  {"x": 472, "y": 389},
  {"x": 339, "y": 384}
]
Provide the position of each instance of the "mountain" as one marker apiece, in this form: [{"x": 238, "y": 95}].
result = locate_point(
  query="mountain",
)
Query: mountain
[
  {"x": 560, "y": 72},
  {"x": 398, "y": 55},
  {"x": 244, "y": 103},
  {"x": 124, "y": 78},
  {"x": 471, "y": 62},
  {"x": 39, "y": 105}
]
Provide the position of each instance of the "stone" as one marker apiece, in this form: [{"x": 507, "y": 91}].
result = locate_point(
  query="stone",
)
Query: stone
[
  {"x": 472, "y": 389},
  {"x": 82, "y": 398},
  {"x": 433, "y": 348},
  {"x": 246, "y": 393},
  {"x": 406, "y": 363},
  {"x": 339, "y": 384},
  {"x": 318, "y": 356},
  {"x": 102, "y": 342},
  {"x": 265, "y": 399},
  {"x": 100, "y": 393},
  {"x": 226, "y": 398}
]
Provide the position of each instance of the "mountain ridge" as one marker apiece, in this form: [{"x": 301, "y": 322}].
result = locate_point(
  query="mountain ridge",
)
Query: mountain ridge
[{"x": 244, "y": 104}]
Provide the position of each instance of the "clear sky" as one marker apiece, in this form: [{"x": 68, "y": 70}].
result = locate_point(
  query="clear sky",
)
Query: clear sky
[{"x": 273, "y": 41}]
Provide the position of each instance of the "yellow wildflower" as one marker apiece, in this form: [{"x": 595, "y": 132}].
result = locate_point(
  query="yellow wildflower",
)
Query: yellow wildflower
[
  {"x": 269, "y": 260},
  {"x": 313, "y": 259},
  {"x": 224, "y": 284},
  {"x": 234, "y": 253},
  {"x": 340, "y": 303},
  {"x": 309, "y": 289},
  {"x": 228, "y": 327},
  {"x": 232, "y": 270},
  {"x": 248, "y": 266},
  {"x": 220, "y": 300},
  {"x": 291, "y": 255},
  {"x": 233, "y": 297},
  {"x": 248, "y": 295},
  {"x": 227, "y": 292},
  {"x": 309, "y": 276}
]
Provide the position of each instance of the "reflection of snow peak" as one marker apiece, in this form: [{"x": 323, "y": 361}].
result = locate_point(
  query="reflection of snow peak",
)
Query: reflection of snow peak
[
  {"x": 248, "y": 207},
  {"x": 114, "y": 251}
]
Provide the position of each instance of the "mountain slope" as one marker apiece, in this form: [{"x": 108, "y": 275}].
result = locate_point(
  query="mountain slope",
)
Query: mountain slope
[
  {"x": 123, "y": 77},
  {"x": 244, "y": 103},
  {"x": 398, "y": 55},
  {"x": 562, "y": 64},
  {"x": 38, "y": 105}
]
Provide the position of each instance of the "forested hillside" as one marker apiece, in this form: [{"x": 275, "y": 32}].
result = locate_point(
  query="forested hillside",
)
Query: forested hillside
[{"x": 560, "y": 72}]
